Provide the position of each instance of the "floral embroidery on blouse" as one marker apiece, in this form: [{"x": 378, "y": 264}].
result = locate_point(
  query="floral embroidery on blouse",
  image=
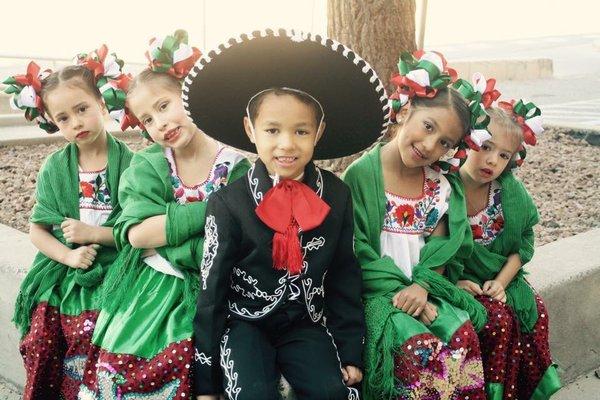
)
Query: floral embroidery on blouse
[
  {"x": 93, "y": 190},
  {"x": 487, "y": 224},
  {"x": 414, "y": 215},
  {"x": 217, "y": 178}
]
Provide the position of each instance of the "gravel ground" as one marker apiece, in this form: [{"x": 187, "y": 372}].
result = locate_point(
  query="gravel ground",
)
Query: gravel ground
[{"x": 562, "y": 173}]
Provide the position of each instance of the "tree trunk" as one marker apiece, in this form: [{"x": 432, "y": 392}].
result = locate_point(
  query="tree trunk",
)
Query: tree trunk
[{"x": 378, "y": 30}]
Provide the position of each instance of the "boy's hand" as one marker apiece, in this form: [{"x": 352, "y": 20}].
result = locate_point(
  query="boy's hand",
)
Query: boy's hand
[
  {"x": 76, "y": 231},
  {"x": 352, "y": 375},
  {"x": 411, "y": 300},
  {"x": 495, "y": 290},
  {"x": 82, "y": 257},
  {"x": 209, "y": 397},
  {"x": 429, "y": 314},
  {"x": 470, "y": 287}
]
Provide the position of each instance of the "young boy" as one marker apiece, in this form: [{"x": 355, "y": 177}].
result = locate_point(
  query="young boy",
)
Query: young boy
[{"x": 280, "y": 286}]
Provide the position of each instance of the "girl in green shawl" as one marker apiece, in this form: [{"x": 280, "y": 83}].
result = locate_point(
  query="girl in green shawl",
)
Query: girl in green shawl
[
  {"x": 516, "y": 356},
  {"x": 143, "y": 340},
  {"x": 72, "y": 220},
  {"x": 410, "y": 231}
]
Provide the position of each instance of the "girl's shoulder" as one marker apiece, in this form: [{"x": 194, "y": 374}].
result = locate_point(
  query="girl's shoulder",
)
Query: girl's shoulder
[
  {"x": 227, "y": 154},
  {"x": 58, "y": 158},
  {"x": 122, "y": 146},
  {"x": 446, "y": 182},
  {"x": 152, "y": 158},
  {"x": 366, "y": 164},
  {"x": 512, "y": 185},
  {"x": 149, "y": 154},
  {"x": 431, "y": 173}
]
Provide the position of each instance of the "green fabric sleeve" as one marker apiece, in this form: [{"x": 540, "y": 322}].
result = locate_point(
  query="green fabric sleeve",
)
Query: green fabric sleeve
[
  {"x": 142, "y": 195},
  {"x": 184, "y": 221}
]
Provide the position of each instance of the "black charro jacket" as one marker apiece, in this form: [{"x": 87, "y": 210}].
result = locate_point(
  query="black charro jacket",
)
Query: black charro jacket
[{"x": 238, "y": 279}]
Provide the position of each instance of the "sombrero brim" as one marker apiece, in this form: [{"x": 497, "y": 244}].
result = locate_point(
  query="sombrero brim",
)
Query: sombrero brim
[{"x": 218, "y": 88}]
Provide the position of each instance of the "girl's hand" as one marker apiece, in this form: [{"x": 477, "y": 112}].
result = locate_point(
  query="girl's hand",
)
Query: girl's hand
[
  {"x": 495, "y": 290},
  {"x": 82, "y": 257},
  {"x": 352, "y": 375},
  {"x": 429, "y": 314},
  {"x": 470, "y": 287},
  {"x": 76, "y": 231},
  {"x": 411, "y": 300},
  {"x": 210, "y": 397},
  {"x": 148, "y": 253}
]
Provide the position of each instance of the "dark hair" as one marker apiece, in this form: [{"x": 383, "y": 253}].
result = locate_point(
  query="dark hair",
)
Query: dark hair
[
  {"x": 147, "y": 75},
  {"x": 77, "y": 75},
  {"x": 255, "y": 103},
  {"x": 445, "y": 98}
]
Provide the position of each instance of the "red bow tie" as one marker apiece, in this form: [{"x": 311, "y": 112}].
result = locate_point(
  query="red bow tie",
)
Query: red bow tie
[{"x": 287, "y": 207}]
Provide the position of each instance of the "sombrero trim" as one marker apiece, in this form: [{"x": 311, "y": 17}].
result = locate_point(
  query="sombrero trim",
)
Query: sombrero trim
[{"x": 295, "y": 35}]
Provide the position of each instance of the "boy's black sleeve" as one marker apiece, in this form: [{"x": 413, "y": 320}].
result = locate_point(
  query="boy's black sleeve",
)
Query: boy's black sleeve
[
  {"x": 209, "y": 323},
  {"x": 343, "y": 302}
]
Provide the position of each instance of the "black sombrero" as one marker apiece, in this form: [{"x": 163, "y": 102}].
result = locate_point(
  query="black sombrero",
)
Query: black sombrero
[{"x": 218, "y": 88}]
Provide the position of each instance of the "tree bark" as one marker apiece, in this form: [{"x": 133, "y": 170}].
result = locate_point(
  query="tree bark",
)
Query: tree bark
[{"x": 378, "y": 30}]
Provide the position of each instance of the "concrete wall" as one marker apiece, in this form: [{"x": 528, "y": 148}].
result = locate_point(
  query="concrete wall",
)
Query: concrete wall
[
  {"x": 16, "y": 254},
  {"x": 567, "y": 275},
  {"x": 506, "y": 70},
  {"x": 565, "y": 272}
]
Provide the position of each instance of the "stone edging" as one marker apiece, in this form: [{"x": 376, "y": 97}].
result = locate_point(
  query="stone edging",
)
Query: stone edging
[{"x": 565, "y": 272}]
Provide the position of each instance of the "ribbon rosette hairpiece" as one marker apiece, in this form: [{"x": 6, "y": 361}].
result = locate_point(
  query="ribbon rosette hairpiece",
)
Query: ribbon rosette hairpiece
[
  {"x": 479, "y": 120},
  {"x": 172, "y": 55},
  {"x": 529, "y": 117},
  {"x": 486, "y": 87},
  {"x": 130, "y": 121},
  {"x": 420, "y": 74},
  {"x": 25, "y": 90},
  {"x": 475, "y": 94},
  {"x": 110, "y": 79},
  {"x": 169, "y": 55}
]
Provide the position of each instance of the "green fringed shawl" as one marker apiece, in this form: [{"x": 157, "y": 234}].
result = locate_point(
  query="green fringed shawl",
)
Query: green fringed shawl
[
  {"x": 382, "y": 278},
  {"x": 57, "y": 198},
  {"x": 146, "y": 190},
  {"x": 520, "y": 215}
]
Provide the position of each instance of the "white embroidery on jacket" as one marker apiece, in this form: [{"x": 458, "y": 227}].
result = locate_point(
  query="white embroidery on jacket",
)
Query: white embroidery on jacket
[
  {"x": 231, "y": 376},
  {"x": 211, "y": 244},
  {"x": 202, "y": 358}
]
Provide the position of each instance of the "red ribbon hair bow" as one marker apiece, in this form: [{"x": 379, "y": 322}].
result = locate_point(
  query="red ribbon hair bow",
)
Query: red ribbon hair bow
[{"x": 487, "y": 88}]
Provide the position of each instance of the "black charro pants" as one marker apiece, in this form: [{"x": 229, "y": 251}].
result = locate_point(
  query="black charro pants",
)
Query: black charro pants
[{"x": 255, "y": 354}]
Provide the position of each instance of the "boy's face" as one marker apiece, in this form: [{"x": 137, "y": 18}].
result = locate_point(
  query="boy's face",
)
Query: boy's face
[
  {"x": 285, "y": 134},
  {"x": 487, "y": 164}
]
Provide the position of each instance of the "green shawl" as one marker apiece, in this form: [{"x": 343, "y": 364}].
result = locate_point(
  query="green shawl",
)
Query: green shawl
[
  {"x": 57, "y": 198},
  {"x": 382, "y": 279},
  {"x": 146, "y": 190},
  {"x": 520, "y": 215}
]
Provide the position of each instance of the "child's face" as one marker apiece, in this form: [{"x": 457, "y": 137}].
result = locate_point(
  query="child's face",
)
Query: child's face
[
  {"x": 160, "y": 110},
  {"x": 285, "y": 134},
  {"x": 78, "y": 114},
  {"x": 427, "y": 135},
  {"x": 487, "y": 164}
]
